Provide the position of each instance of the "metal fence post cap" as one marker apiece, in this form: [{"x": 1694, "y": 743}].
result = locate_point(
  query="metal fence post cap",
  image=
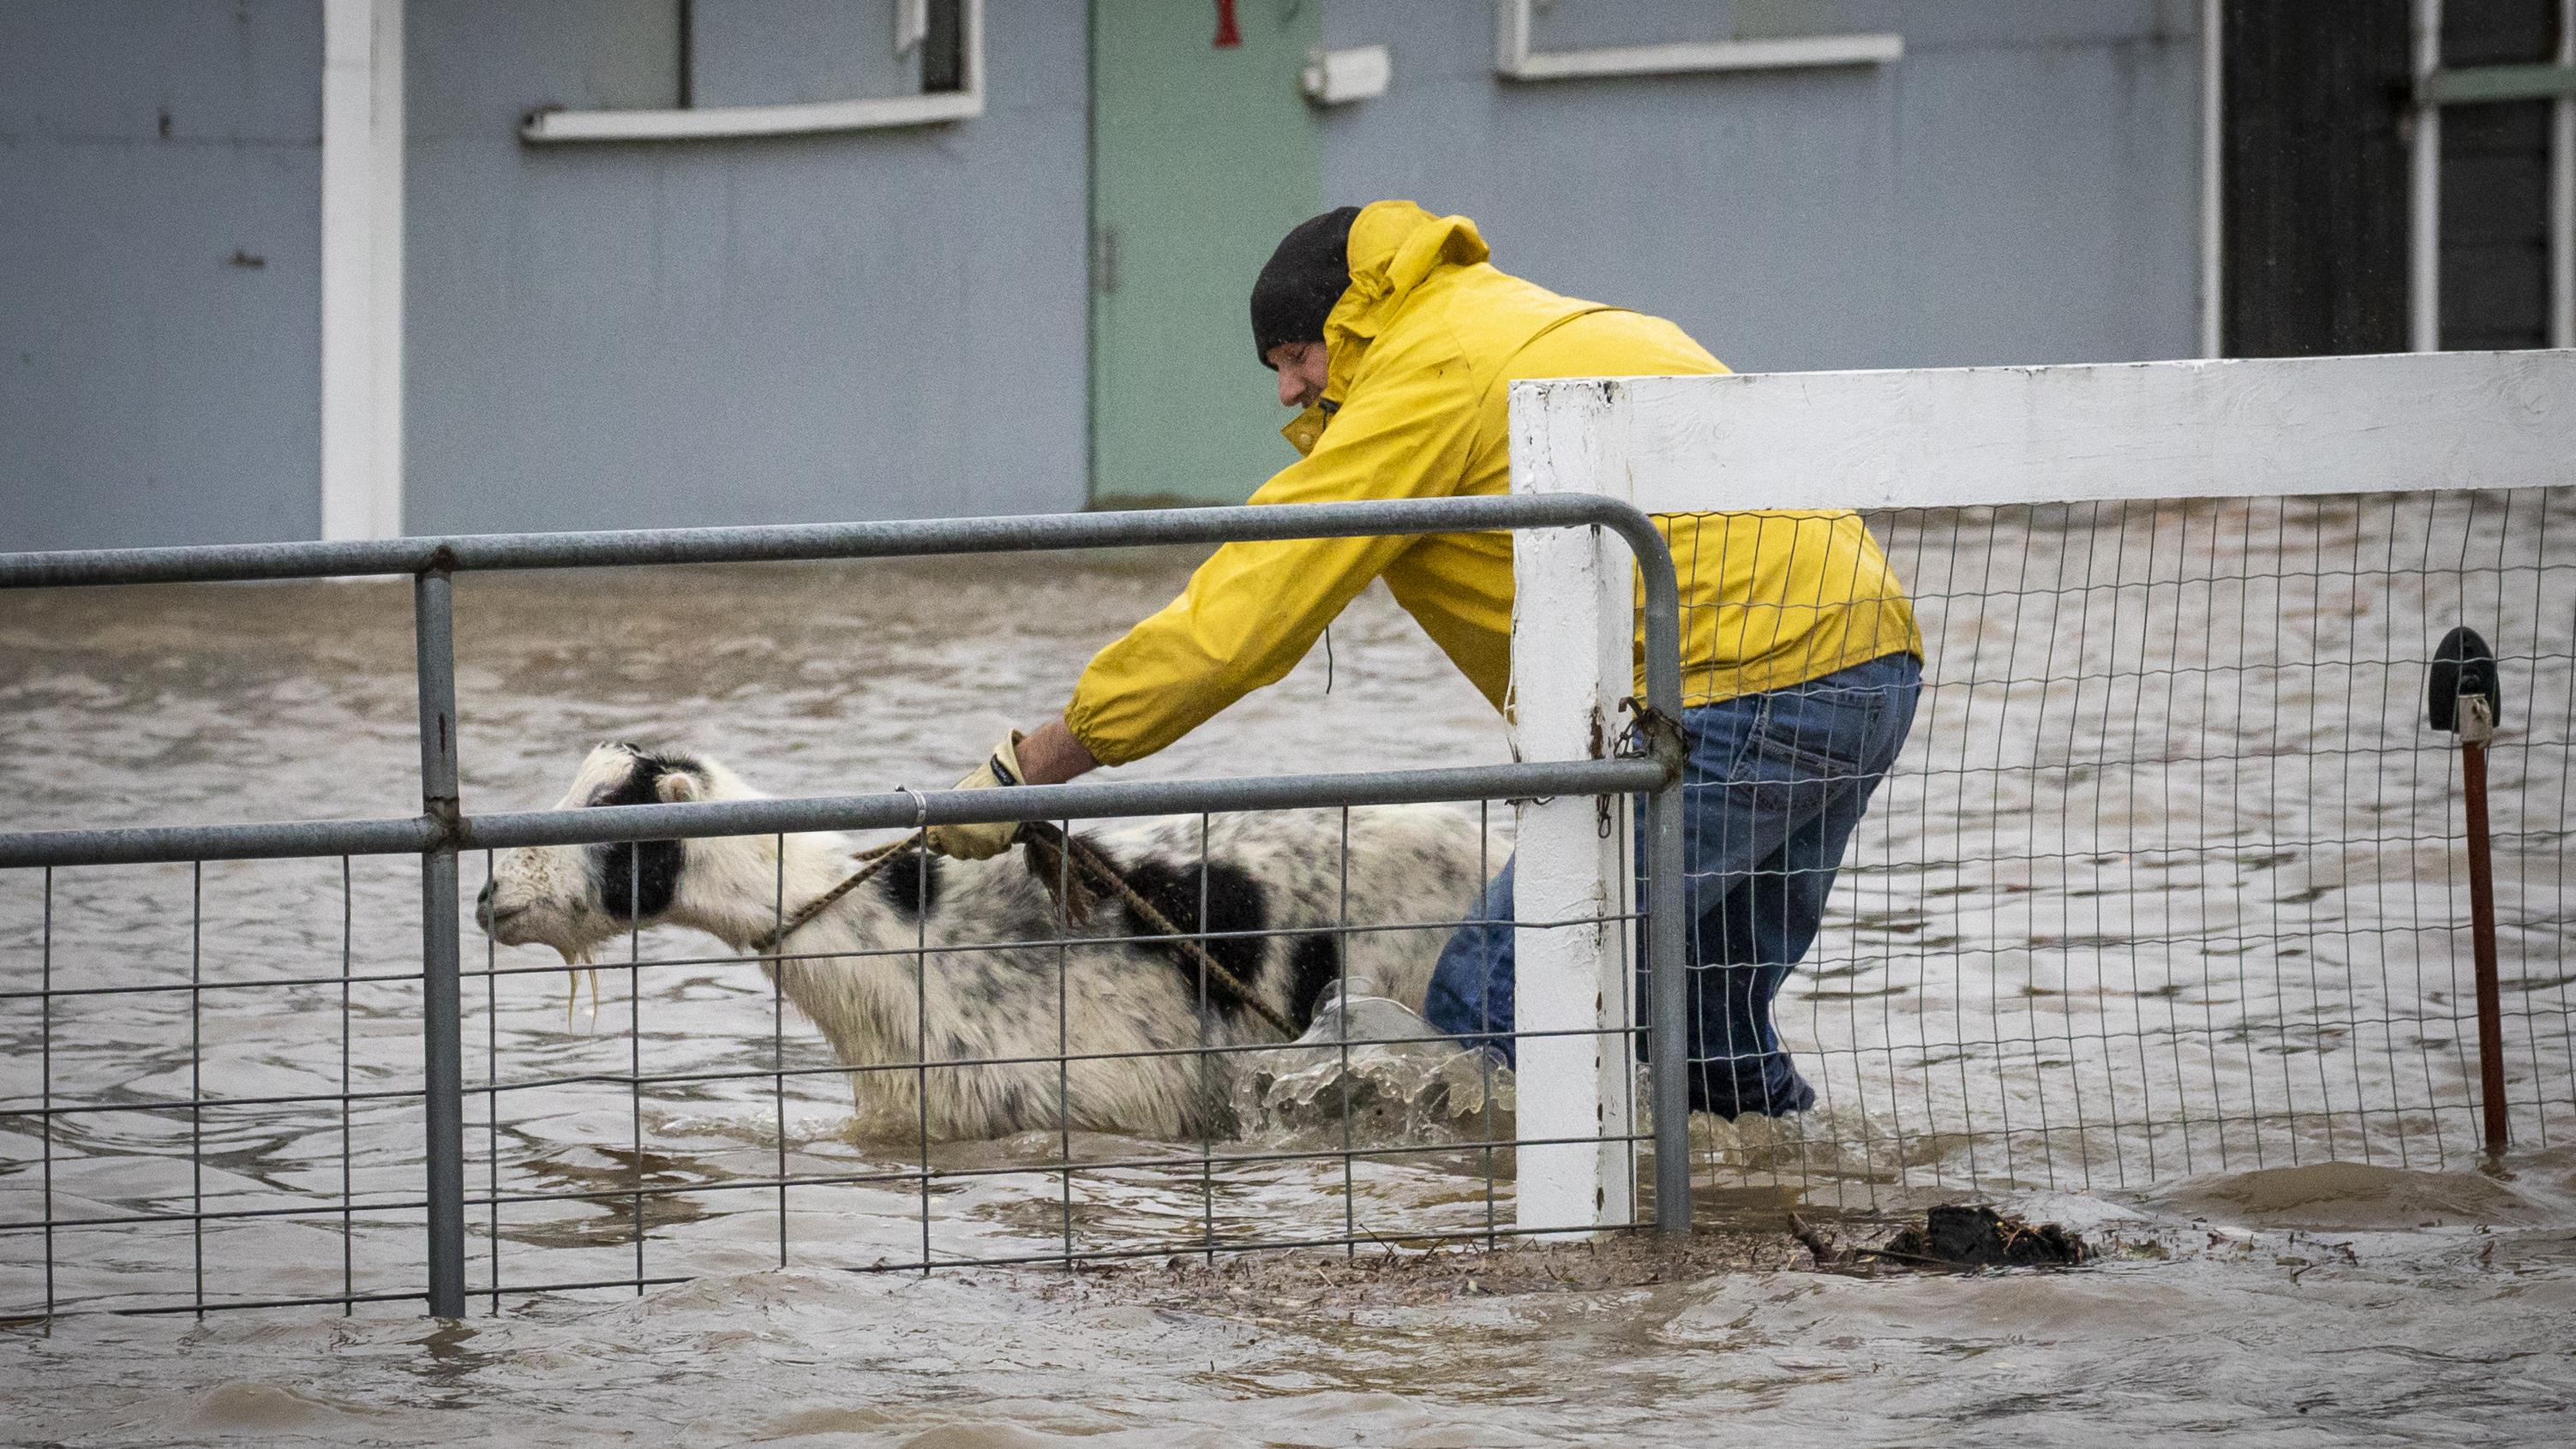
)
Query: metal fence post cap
[{"x": 2463, "y": 668}]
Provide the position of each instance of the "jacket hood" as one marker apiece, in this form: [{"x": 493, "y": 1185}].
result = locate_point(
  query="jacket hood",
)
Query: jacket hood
[{"x": 1396, "y": 246}]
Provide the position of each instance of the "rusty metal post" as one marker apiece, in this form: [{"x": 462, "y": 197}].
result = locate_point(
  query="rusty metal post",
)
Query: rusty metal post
[
  {"x": 2482, "y": 922},
  {"x": 2466, "y": 699}
]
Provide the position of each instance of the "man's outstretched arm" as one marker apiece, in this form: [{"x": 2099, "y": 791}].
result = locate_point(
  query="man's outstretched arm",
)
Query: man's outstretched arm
[
  {"x": 1050, "y": 755},
  {"x": 1254, "y": 608}
]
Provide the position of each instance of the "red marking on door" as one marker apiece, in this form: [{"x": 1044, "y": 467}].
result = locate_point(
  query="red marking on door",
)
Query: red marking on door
[{"x": 1227, "y": 36}]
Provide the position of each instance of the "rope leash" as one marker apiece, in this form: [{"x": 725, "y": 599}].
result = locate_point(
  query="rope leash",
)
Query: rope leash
[
  {"x": 1048, "y": 841},
  {"x": 1053, "y": 846},
  {"x": 871, "y": 862}
]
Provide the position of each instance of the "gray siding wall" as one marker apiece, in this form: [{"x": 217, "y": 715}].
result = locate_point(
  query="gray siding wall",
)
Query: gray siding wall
[
  {"x": 152, "y": 389},
  {"x": 879, "y": 325},
  {"x": 2020, "y": 188},
  {"x": 892, "y": 324}
]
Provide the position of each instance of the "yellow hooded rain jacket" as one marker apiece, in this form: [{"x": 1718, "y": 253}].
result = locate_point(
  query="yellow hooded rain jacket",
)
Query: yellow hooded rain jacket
[{"x": 1423, "y": 348}]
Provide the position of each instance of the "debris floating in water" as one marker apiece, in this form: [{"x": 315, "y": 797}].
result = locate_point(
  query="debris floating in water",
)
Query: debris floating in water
[
  {"x": 1401, "y": 1273},
  {"x": 1980, "y": 1237},
  {"x": 1960, "y": 1236}
]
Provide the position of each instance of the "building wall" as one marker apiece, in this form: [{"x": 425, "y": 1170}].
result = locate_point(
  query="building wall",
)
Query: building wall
[
  {"x": 893, "y": 324},
  {"x": 877, "y": 325},
  {"x": 2021, "y": 187},
  {"x": 160, "y": 242}
]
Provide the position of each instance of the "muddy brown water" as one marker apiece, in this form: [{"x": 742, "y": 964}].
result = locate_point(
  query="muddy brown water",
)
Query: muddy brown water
[{"x": 2275, "y": 1143}]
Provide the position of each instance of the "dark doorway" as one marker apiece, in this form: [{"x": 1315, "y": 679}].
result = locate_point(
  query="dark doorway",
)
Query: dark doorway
[{"x": 2313, "y": 182}]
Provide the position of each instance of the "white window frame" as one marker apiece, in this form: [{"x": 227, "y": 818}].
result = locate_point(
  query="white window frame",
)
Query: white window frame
[
  {"x": 2213, "y": 175},
  {"x": 804, "y": 118},
  {"x": 1515, "y": 60},
  {"x": 2436, "y": 87}
]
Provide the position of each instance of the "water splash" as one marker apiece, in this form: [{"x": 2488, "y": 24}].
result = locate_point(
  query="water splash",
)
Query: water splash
[{"x": 1368, "y": 1061}]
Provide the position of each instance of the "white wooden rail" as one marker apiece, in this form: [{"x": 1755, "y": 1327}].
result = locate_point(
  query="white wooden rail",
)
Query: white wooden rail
[{"x": 1929, "y": 438}]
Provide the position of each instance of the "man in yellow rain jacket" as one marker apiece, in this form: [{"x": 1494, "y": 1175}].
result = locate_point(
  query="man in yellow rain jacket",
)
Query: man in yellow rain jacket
[{"x": 1398, "y": 341}]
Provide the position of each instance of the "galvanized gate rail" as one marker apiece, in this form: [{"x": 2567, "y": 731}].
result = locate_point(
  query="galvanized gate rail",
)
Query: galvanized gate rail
[{"x": 443, "y": 829}]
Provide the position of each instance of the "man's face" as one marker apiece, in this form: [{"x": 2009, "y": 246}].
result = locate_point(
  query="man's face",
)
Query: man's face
[{"x": 1300, "y": 366}]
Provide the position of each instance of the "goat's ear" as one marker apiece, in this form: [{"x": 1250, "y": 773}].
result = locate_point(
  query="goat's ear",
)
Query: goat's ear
[{"x": 677, "y": 787}]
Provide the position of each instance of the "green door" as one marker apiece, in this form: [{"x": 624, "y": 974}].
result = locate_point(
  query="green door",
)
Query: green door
[{"x": 1201, "y": 159}]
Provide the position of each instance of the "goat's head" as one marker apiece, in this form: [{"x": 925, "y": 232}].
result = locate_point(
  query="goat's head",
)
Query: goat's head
[{"x": 574, "y": 897}]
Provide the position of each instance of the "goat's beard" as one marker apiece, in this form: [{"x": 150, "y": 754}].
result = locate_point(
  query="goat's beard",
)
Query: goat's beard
[{"x": 576, "y": 961}]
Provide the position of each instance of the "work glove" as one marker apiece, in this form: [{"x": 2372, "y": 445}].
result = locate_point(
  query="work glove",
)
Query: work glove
[{"x": 983, "y": 842}]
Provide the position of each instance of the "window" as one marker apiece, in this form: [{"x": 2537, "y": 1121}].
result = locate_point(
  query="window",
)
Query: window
[{"x": 943, "y": 40}]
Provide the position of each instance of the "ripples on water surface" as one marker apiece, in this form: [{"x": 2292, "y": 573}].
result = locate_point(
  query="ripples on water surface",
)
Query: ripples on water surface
[
  {"x": 2369, "y": 1330},
  {"x": 2033, "y": 943}
]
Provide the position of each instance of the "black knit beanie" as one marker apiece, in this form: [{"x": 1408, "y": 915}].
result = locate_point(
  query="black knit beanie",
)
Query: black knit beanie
[{"x": 1303, "y": 279}]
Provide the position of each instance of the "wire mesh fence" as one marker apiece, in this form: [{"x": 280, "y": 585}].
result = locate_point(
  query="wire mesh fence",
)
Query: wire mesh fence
[
  {"x": 2169, "y": 878},
  {"x": 209, "y": 1114},
  {"x": 2165, "y": 882},
  {"x": 198, "y": 1107},
  {"x": 697, "y": 1123},
  {"x": 948, "y": 1069}
]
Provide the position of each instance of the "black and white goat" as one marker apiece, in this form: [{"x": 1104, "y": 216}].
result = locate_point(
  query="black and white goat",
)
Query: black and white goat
[{"x": 996, "y": 1009}]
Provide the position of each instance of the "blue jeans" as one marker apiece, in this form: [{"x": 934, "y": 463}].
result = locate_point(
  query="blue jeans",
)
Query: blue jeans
[{"x": 1775, "y": 784}]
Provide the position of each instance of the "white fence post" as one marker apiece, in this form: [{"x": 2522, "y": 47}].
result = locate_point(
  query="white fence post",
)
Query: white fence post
[{"x": 1572, "y": 626}]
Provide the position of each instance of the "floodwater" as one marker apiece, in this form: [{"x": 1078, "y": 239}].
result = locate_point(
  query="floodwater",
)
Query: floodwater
[
  {"x": 2379, "y": 1333},
  {"x": 2155, "y": 934}
]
